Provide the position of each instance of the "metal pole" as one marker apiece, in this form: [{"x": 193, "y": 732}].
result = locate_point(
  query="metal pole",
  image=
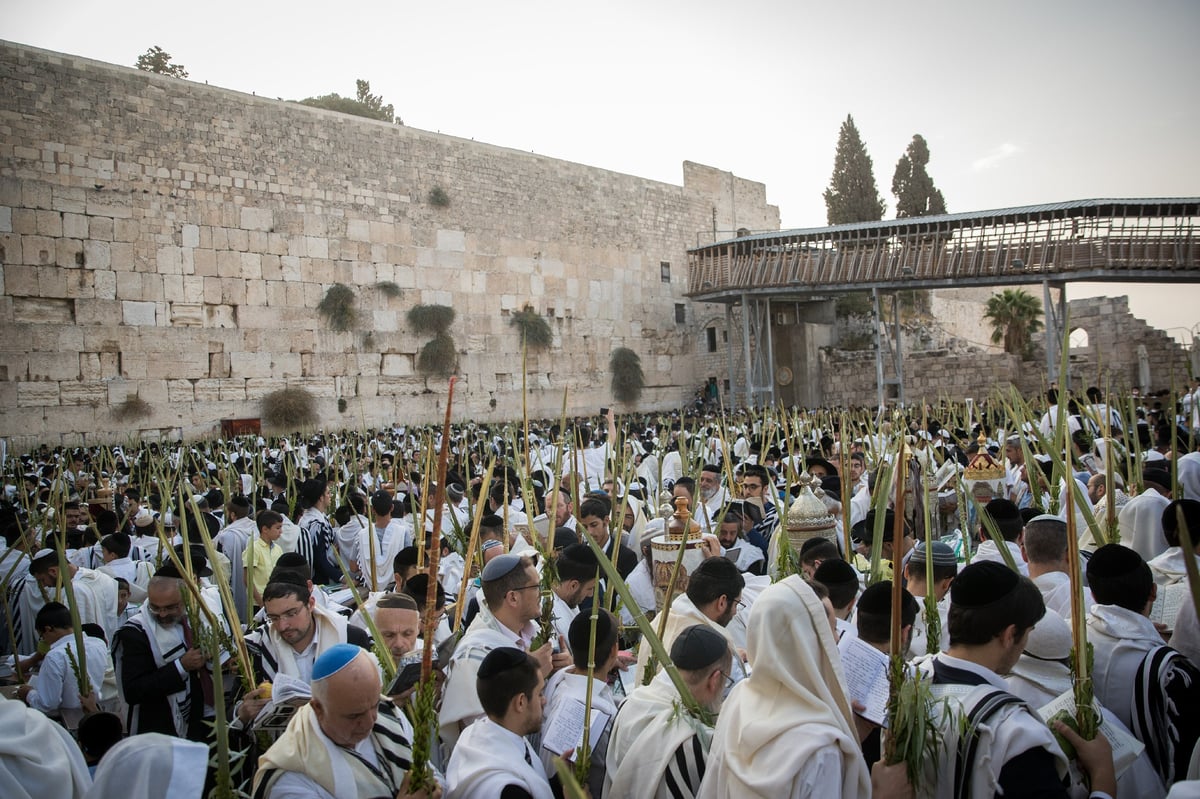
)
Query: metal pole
[
  {"x": 878, "y": 348},
  {"x": 769, "y": 382},
  {"x": 1064, "y": 380},
  {"x": 1052, "y": 335},
  {"x": 897, "y": 348},
  {"x": 730, "y": 395},
  {"x": 746, "y": 350}
]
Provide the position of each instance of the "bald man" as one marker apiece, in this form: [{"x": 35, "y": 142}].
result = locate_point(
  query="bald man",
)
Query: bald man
[{"x": 348, "y": 741}]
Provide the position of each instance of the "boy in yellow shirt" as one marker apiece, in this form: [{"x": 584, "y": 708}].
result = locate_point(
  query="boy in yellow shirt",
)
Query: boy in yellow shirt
[{"x": 262, "y": 552}]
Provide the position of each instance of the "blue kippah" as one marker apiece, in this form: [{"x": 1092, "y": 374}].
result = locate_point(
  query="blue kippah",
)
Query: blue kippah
[
  {"x": 333, "y": 660},
  {"x": 500, "y": 566}
]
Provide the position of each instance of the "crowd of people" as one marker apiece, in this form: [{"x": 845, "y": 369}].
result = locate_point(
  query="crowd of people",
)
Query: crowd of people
[{"x": 268, "y": 615}]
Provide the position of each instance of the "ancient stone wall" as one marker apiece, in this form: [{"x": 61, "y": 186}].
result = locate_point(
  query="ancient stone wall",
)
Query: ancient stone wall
[{"x": 171, "y": 241}]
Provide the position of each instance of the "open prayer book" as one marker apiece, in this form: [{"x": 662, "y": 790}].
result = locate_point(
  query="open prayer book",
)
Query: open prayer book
[
  {"x": 1168, "y": 602},
  {"x": 866, "y": 671},
  {"x": 1125, "y": 748},
  {"x": 565, "y": 730}
]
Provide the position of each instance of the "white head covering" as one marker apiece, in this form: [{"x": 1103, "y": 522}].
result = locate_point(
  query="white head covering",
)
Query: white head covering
[
  {"x": 37, "y": 756},
  {"x": 152, "y": 764},
  {"x": 1042, "y": 672},
  {"x": 793, "y": 705}
]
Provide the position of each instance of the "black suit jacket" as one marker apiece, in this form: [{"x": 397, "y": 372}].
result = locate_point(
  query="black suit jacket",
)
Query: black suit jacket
[
  {"x": 147, "y": 686},
  {"x": 626, "y": 561}
]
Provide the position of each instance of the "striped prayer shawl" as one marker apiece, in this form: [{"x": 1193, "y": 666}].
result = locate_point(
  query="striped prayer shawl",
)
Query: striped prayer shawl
[{"x": 1162, "y": 676}]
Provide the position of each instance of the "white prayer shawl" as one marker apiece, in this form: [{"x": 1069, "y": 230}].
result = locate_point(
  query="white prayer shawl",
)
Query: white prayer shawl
[
  {"x": 563, "y": 615},
  {"x": 1056, "y": 592},
  {"x": 1140, "y": 522},
  {"x": 231, "y": 542},
  {"x": 278, "y": 656},
  {"x": 1186, "y": 637},
  {"x": 641, "y": 585},
  {"x": 135, "y": 572},
  {"x": 26, "y": 598},
  {"x": 740, "y": 624},
  {"x": 1189, "y": 469},
  {"x": 152, "y": 764},
  {"x": 1170, "y": 567},
  {"x": 167, "y": 646},
  {"x": 488, "y": 758},
  {"x": 792, "y": 710},
  {"x": 385, "y": 547},
  {"x": 919, "y": 646},
  {"x": 650, "y": 726},
  {"x": 683, "y": 614},
  {"x": 989, "y": 551},
  {"x": 1123, "y": 642},
  {"x": 450, "y": 574},
  {"x": 96, "y": 600},
  {"x": 460, "y": 700},
  {"x": 290, "y": 537},
  {"x": 346, "y": 537},
  {"x": 38, "y": 759}
]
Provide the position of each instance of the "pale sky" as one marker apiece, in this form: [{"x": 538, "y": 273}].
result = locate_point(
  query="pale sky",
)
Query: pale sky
[{"x": 1027, "y": 102}]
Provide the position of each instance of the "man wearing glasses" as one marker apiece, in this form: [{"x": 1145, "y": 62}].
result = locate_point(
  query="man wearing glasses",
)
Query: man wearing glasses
[{"x": 512, "y": 601}]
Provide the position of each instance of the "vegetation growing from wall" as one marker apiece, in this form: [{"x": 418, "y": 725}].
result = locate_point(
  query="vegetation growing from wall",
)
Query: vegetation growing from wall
[
  {"x": 389, "y": 289},
  {"x": 337, "y": 306},
  {"x": 363, "y": 104},
  {"x": 438, "y": 197},
  {"x": 158, "y": 61},
  {"x": 439, "y": 355},
  {"x": 628, "y": 381},
  {"x": 290, "y": 408},
  {"x": 534, "y": 329},
  {"x": 132, "y": 409}
]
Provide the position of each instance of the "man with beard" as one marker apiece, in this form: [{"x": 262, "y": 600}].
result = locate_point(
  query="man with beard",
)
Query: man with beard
[{"x": 654, "y": 752}]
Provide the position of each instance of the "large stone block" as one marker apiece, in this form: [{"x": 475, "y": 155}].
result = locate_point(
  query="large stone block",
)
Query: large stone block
[
  {"x": 258, "y": 219},
  {"x": 250, "y": 364},
  {"x": 138, "y": 313},
  {"x": 79, "y": 392},
  {"x": 32, "y": 395},
  {"x": 397, "y": 365}
]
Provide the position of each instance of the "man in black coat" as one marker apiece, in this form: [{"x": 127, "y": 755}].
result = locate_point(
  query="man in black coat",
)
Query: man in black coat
[{"x": 594, "y": 518}]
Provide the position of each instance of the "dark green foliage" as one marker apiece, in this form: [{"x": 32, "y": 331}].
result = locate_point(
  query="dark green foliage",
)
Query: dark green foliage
[
  {"x": 364, "y": 104},
  {"x": 535, "y": 330},
  {"x": 289, "y": 409},
  {"x": 856, "y": 303},
  {"x": 1015, "y": 316},
  {"x": 342, "y": 405},
  {"x": 438, "y": 356},
  {"x": 628, "y": 381},
  {"x": 337, "y": 306},
  {"x": 158, "y": 61},
  {"x": 852, "y": 195},
  {"x": 915, "y": 193},
  {"x": 431, "y": 319},
  {"x": 131, "y": 409},
  {"x": 389, "y": 289},
  {"x": 438, "y": 197}
]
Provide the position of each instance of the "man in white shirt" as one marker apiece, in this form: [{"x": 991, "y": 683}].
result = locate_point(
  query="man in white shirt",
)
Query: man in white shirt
[
  {"x": 1044, "y": 549},
  {"x": 55, "y": 690}
]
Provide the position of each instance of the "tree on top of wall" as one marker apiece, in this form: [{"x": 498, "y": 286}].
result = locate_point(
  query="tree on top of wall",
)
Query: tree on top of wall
[
  {"x": 158, "y": 60},
  {"x": 363, "y": 104},
  {"x": 915, "y": 193}
]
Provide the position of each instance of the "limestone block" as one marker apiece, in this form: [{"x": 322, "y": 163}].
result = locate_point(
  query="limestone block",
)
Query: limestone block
[
  {"x": 204, "y": 263},
  {"x": 520, "y": 265},
  {"x": 297, "y": 246},
  {"x": 187, "y": 314},
  {"x": 137, "y": 313},
  {"x": 257, "y": 219},
  {"x": 80, "y": 284},
  {"x": 286, "y": 364},
  {"x": 550, "y": 267},
  {"x": 180, "y": 391},
  {"x": 229, "y": 263},
  {"x": 366, "y": 386},
  {"x": 172, "y": 288},
  {"x": 405, "y": 276},
  {"x": 32, "y": 395},
  {"x": 363, "y": 274},
  {"x": 323, "y": 387},
  {"x": 271, "y": 268},
  {"x": 250, "y": 364},
  {"x": 129, "y": 285},
  {"x": 5, "y": 219},
  {"x": 259, "y": 387},
  {"x": 315, "y": 225},
  {"x": 291, "y": 267},
  {"x": 233, "y": 291},
  {"x": 24, "y": 221},
  {"x": 97, "y": 207},
  {"x": 385, "y": 321},
  {"x": 452, "y": 240},
  {"x": 295, "y": 295},
  {"x": 49, "y": 223},
  {"x": 366, "y": 363},
  {"x": 451, "y": 259},
  {"x": 120, "y": 390},
  {"x": 256, "y": 293},
  {"x": 37, "y": 250},
  {"x": 219, "y": 315},
  {"x": 20, "y": 280},
  {"x": 251, "y": 266},
  {"x": 126, "y": 230},
  {"x": 316, "y": 247},
  {"x": 170, "y": 261},
  {"x": 508, "y": 302},
  {"x": 207, "y": 390},
  {"x": 92, "y": 392},
  {"x": 358, "y": 230},
  {"x": 383, "y": 233},
  {"x": 155, "y": 392},
  {"x": 98, "y": 312},
  {"x": 424, "y": 257},
  {"x": 396, "y": 365},
  {"x": 100, "y": 228},
  {"x": 232, "y": 390}
]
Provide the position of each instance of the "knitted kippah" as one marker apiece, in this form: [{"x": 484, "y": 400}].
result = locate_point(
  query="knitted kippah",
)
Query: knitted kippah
[
  {"x": 982, "y": 583},
  {"x": 500, "y": 566},
  {"x": 943, "y": 555},
  {"x": 698, "y": 647},
  {"x": 333, "y": 660}
]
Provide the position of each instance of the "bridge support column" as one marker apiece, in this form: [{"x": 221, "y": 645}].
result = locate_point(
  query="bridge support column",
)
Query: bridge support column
[
  {"x": 758, "y": 351},
  {"x": 1056, "y": 318},
  {"x": 895, "y": 350}
]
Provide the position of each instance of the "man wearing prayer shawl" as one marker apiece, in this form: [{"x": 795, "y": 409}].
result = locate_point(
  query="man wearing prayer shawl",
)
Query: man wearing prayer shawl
[
  {"x": 152, "y": 765},
  {"x": 656, "y": 749},
  {"x": 1151, "y": 688},
  {"x": 95, "y": 592},
  {"x": 231, "y": 542},
  {"x": 788, "y": 731},
  {"x": 512, "y": 601},
  {"x": 994, "y": 743},
  {"x": 714, "y": 591},
  {"x": 493, "y": 758},
  {"x": 1171, "y": 566},
  {"x": 38, "y": 758},
  {"x": 1140, "y": 521},
  {"x": 347, "y": 742}
]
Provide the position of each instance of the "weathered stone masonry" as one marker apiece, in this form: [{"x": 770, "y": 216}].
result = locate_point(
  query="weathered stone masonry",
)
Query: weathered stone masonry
[{"x": 170, "y": 240}]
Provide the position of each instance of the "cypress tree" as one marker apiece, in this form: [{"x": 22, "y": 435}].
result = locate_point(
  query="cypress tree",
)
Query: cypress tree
[
  {"x": 852, "y": 195},
  {"x": 915, "y": 193}
]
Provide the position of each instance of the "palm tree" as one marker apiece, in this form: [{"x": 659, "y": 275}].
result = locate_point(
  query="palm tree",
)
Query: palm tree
[{"x": 1015, "y": 316}]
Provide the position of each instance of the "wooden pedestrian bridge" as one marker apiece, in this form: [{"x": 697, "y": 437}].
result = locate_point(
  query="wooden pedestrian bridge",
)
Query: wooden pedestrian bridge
[
  {"x": 1127, "y": 241},
  {"x": 1133, "y": 240}
]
